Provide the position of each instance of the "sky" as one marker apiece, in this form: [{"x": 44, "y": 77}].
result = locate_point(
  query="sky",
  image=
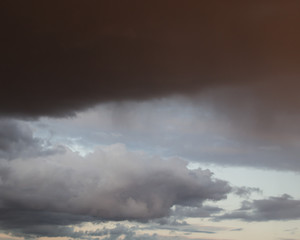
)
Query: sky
[{"x": 149, "y": 120}]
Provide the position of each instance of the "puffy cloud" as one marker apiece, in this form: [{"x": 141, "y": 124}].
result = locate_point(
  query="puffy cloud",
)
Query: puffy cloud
[
  {"x": 274, "y": 208},
  {"x": 110, "y": 184}
]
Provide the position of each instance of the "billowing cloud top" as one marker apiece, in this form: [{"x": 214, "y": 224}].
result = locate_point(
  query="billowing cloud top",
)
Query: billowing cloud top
[{"x": 110, "y": 184}]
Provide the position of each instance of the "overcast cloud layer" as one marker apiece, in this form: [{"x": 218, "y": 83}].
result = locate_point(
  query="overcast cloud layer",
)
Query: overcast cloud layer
[
  {"x": 60, "y": 57},
  {"x": 179, "y": 127}
]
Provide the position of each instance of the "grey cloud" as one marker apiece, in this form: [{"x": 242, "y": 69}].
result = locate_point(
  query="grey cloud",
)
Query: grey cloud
[
  {"x": 195, "y": 211},
  {"x": 110, "y": 184},
  {"x": 129, "y": 233},
  {"x": 57, "y": 226},
  {"x": 236, "y": 229},
  {"x": 32, "y": 223},
  {"x": 246, "y": 191},
  {"x": 17, "y": 141},
  {"x": 120, "y": 230},
  {"x": 114, "y": 233},
  {"x": 274, "y": 208},
  {"x": 22, "y": 218},
  {"x": 175, "y": 226},
  {"x": 176, "y": 223},
  {"x": 177, "y": 126},
  {"x": 186, "y": 229},
  {"x": 33, "y": 232},
  {"x": 170, "y": 221}
]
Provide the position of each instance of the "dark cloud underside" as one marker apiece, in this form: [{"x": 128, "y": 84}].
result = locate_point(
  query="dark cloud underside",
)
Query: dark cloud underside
[
  {"x": 109, "y": 184},
  {"x": 58, "y": 57},
  {"x": 274, "y": 208},
  {"x": 17, "y": 141}
]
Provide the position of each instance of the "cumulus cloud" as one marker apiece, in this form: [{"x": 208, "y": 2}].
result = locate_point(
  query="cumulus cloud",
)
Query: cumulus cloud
[
  {"x": 17, "y": 141},
  {"x": 273, "y": 208},
  {"x": 111, "y": 184}
]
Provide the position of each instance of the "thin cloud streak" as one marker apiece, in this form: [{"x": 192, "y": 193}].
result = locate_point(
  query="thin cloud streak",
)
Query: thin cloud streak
[{"x": 281, "y": 208}]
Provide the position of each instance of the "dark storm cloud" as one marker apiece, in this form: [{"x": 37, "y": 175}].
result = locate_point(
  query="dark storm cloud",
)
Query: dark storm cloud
[
  {"x": 33, "y": 224},
  {"x": 60, "y": 57},
  {"x": 274, "y": 208},
  {"x": 17, "y": 141},
  {"x": 28, "y": 223},
  {"x": 17, "y": 218}
]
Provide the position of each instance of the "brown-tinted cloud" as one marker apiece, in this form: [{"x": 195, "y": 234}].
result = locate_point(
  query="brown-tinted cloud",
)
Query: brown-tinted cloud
[{"x": 58, "y": 57}]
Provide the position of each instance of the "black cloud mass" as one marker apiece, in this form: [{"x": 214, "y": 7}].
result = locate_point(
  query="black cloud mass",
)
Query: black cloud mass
[{"x": 58, "y": 57}]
